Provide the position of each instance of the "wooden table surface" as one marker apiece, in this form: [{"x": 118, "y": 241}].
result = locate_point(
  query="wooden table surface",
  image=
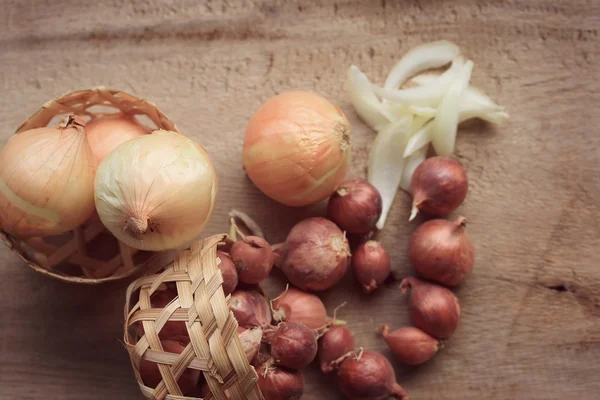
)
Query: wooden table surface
[{"x": 531, "y": 311}]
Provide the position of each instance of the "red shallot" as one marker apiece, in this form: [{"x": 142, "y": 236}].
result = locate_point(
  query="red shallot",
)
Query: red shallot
[
  {"x": 250, "y": 309},
  {"x": 441, "y": 251},
  {"x": 315, "y": 255},
  {"x": 278, "y": 383},
  {"x": 410, "y": 345},
  {"x": 355, "y": 207},
  {"x": 294, "y": 305},
  {"x": 333, "y": 345},
  {"x": 253, "y": 259},
  {"x": 369, "y": 376},
  {"x": 229, "y": 272},
  {"x": 433, "y": 308},
  {"x": 171, "y": 330},
  {"x": 439, "y": 185},
  {"x": 151, "y": 375},
  {"x": 371, "y": 265},
  {"x": 294, "y": 345}
]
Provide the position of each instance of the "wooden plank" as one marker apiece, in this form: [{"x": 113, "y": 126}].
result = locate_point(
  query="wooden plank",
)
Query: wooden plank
[{"x": 531, "y": 325}]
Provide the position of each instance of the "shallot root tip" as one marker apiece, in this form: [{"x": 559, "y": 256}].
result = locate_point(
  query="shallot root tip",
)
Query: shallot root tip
[
  {"x": 336, "y": 363},
  {"x": 384, "y": 330},
  {"x": 360, "y": 354},
  {"x": 413, "y": 212},
  {"x": 398, "y": 393},
  {"x": 236, "y": 229},
  {"x": 461, "y": 222},
  {"x": 370, "y": 287},
  {"x": 336, "y": 310},
  {"x": 405, "y": 285},
  {"x": 252, "y": 226}
]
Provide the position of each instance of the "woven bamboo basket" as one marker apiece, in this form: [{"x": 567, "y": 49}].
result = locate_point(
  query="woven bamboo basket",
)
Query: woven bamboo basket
[
  {"x": 88, "y": 254},
  {"x": 214, "y": 349}
]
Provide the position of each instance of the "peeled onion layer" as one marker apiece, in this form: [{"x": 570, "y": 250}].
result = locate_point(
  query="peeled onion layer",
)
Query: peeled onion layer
[
  {"x": 368, "y": 107},
  {"x": 426, "y": 95},
  {"x": 420, "y": 58},
  {"x": 473, "y": 97},
  {"x": 156, "y": 191},
  {"x": 423, "y": 136},
  {"x": 445, "y": 123},
  {"x": 411, "y": 163},
  {"x": 386, "y": 163}
]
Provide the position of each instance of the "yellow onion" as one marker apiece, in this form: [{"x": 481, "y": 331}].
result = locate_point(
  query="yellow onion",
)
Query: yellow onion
[
  {"x": 297, "y": 148},
  {"x": 47, "y": 180},
  {"x": 157, "y": 191},
  {"x": 105, "y": 135}
]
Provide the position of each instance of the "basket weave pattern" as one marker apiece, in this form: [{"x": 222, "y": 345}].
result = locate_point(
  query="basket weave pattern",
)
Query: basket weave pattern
[
  {"x": 69, "y": 257},
  {"x": 214, "y": 347}
]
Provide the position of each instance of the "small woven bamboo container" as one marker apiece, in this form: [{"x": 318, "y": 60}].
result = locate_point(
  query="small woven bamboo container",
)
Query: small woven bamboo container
[
  {"x": 88, "y": 254},
  {"x": 214, "y": 347}
]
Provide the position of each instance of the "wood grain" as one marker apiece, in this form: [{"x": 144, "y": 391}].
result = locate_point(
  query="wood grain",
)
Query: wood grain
[{"x": 531, "y": 325}]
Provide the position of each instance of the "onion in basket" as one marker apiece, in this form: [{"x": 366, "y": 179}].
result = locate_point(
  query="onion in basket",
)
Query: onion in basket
[
  {"x": 47, "y": 180},
  {"x": 156, "y": 191},
  {"x": 106, "y": 134}
]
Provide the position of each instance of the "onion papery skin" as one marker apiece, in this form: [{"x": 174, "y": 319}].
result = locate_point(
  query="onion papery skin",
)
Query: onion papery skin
[
  {"x": 315, "y": 255},
  {"x": 439, "y": 186},
  {"x": 295, "y": 305},
  {"x": 433, "y": 308},
  {"x": 157, "y": 191},
  {"x": 369, "y": 376},
  {"x": 441, "y": 251},
  {"x": 106, "y": 134},
  {"x": 334, "y": 344},
  {"x": 47, "y": 180},
  {"x": 297, "y": 148},
  {"x": 410, "y": 345}
]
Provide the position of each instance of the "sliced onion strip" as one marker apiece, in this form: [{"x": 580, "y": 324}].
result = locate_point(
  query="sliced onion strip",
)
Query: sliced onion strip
[
  {"x": 385, "y": 163},
  {"x": 428, "y": 95},
  {"x": 445, "y": 123},
  {"x": 367, "y": 105},
  {"x": 420, "y": 58},
  {"x": 411, "y": 163}
]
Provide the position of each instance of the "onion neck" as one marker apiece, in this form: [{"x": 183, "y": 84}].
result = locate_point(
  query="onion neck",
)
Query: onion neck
[
  {"x": 460, "y": 223},
  {"x": 136, "y": 227},
  {"x": 72, "y": 121},
  {"x": 342, "y": 130},
  {"x": 417, "y": 201},
  {"x": 408, "y": 284},
  {"x": 397, "y": 392},
  {"x": 278, "y": 315}
]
